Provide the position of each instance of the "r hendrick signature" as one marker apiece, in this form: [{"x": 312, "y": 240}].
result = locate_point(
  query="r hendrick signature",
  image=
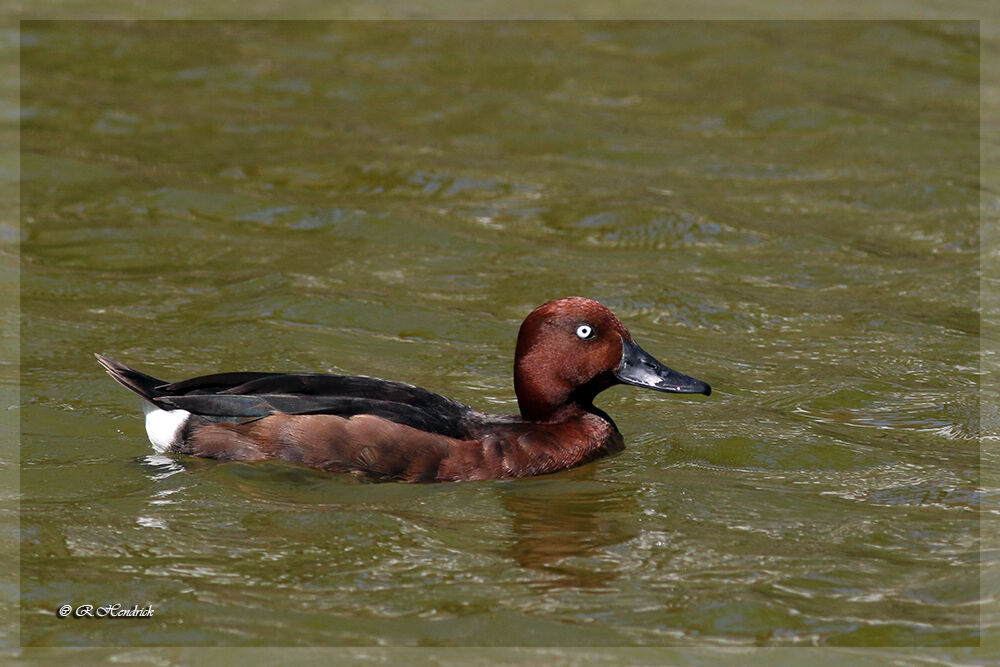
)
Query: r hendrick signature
[{"x": 104, "y": 611}]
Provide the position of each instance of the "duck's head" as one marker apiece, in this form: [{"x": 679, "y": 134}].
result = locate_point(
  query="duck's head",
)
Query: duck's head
[{"x": 571, "y": 349}]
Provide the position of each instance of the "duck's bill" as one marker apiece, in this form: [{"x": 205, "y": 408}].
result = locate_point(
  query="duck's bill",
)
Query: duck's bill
[{"x": 641, "y": 369}]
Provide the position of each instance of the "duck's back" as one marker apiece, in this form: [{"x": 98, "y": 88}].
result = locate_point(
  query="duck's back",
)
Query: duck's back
[{"x": 238, "y": 397}]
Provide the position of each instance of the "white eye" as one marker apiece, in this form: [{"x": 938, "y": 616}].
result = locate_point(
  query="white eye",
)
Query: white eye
[{"x": 584, "y": 331}]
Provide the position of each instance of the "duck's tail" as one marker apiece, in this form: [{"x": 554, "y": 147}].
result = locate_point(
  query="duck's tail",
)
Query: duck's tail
[
  {"x": 131, "y": 379},
  {"x": 164, "y": 426}
]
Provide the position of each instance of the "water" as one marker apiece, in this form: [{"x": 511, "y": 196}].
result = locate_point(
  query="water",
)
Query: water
[{"x": 788, "y": 211}]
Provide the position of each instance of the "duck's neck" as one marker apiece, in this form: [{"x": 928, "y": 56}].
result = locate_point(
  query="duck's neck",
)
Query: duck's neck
[
  {"x": 554, "y": 400},
  {"x": 536, "y": 408}
]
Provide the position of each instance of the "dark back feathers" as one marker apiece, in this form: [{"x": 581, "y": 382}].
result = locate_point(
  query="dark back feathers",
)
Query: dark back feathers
[{"x": 247, "y": 396}]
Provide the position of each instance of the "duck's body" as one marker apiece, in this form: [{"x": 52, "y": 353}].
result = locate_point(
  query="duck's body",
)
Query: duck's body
[{"x": 568, "y": 350}]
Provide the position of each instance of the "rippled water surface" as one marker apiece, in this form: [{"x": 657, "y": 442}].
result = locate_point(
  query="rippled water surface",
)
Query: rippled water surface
[{"x": 787, "y": 211}]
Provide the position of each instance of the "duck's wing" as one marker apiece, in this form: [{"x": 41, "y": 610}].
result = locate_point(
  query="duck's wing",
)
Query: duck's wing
[{"x": 241, "y": 397}]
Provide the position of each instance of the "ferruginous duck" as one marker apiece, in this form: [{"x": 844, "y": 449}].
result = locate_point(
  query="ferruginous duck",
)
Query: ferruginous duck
[{"x": 568, "y": 351}]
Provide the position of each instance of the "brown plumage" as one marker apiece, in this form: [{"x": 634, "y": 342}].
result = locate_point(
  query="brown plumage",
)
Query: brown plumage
[{"x": 568, "y": 350}]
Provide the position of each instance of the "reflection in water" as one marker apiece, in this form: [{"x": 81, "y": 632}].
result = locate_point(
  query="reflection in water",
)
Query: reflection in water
[
  {"x": 559, "y": 527},
  {"x": 160, "y": 467}
]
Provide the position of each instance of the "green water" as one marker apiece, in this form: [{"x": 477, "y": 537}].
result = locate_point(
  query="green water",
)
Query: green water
[{"x": 788, "y": 211}]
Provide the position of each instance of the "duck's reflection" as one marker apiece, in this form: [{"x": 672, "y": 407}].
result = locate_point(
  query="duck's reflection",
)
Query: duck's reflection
[
  {"x": 158, "y": 466},
  {"x": 560, "y": 526}
]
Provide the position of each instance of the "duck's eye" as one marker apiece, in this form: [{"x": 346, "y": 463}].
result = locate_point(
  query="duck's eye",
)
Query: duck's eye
[{"x": 585, "y": 331}]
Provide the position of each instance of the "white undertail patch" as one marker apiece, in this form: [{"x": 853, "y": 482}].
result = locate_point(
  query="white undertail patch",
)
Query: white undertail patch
[{"x": 164, "y": 426}]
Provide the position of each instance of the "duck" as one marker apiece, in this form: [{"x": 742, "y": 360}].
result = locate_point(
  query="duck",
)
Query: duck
[{"x": 568, "y": 351}]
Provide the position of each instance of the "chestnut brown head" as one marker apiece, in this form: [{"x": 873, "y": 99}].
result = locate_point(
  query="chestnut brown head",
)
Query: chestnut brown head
[{"x": 571, "y": 349}]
